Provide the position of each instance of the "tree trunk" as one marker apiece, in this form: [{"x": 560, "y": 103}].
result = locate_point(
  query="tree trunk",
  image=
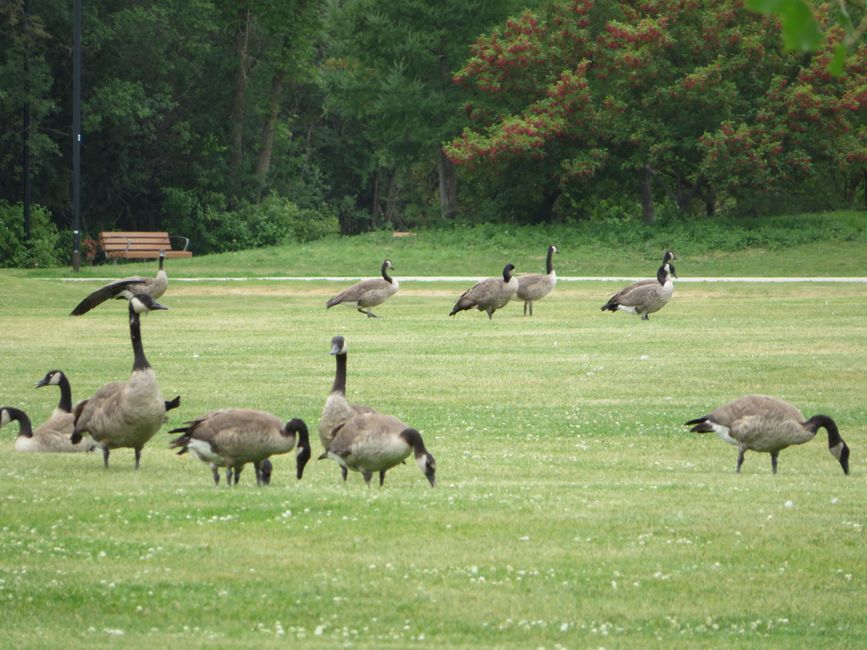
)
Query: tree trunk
[
  {"x": 242, "y": 38},
  {"x": 269, "y": 128},
  {"x": 448, "y": 186},
  {"x": 647, "y": 210}
]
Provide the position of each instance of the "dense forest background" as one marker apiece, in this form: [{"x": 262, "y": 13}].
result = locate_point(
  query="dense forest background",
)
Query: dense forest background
[{"x": 241, "y": 124}]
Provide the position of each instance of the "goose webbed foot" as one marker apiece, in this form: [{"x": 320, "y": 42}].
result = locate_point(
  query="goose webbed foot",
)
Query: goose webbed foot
[{"x": 740, "y": 460}]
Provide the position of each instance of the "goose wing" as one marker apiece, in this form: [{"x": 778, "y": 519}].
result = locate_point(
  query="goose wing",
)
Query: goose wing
[
  {"x": 102, "y": 294},
  {"x": 635, "y": 294}
]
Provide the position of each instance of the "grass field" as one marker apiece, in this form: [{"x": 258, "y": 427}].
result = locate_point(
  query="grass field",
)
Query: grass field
[{"x": 573, "y": 508}]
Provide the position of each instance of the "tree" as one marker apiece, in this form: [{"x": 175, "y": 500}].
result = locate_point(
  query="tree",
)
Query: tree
[
  {"x": 387, "y": 78},
  {"x": 626, "y": 91}
]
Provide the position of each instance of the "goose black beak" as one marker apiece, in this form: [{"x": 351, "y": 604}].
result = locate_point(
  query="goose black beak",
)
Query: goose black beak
[{"x": 40, "y": 383}]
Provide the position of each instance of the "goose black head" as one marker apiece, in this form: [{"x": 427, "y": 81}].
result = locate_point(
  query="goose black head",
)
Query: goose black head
[
  {"x": 507, "y": 272},
  {"x": 297, "y": 427},
  {"x": 428, "y": 466},
  {"x": 142, "y": 303},
  {"x": 387, "y": 265},
  {"x": 51, "y": 378},
  {"x": 338, "y": 345},
  {"x": 669, "y": 256}
]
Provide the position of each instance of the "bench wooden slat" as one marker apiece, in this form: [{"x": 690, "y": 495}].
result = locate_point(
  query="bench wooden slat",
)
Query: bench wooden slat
[{"x": 138, "y": 245}]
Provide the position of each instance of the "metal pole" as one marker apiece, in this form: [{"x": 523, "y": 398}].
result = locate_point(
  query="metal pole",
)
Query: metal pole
[
  {"x": 26, "y": 162},
  {"x": 76, "y": 135}
]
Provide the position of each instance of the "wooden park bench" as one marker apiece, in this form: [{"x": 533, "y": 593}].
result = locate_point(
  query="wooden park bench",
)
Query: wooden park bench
[{"x": 141, "y": 245}]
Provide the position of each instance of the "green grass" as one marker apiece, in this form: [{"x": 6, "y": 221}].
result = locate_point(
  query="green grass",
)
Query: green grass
[
  {"x": 832, "y": 244},
  {"x": 573, "y": 508}
]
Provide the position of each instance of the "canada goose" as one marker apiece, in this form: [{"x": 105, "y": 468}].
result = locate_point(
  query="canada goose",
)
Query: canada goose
[
  {"x": 376, "y": 442},
  {"x": 233, "y": 437},
  {"x": 52, "y": 436},
  {"x": 489, "y": 294},
  {"x": 646, "y": 296},
  {"x": 126, "y": 413},
  {"x": 59, "y": 379},
  {"x": 535, "y": 286},
  {"x": 337, "y": 409},
  {"x": 367, "y": 293},
  {"x": 126, "y": 288},
  {"x": 769, "y": 424}
]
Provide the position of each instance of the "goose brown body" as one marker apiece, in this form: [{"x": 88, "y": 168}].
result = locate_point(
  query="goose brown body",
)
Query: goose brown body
[
  {"x": 52, "y": 436},
  {"x": 646, "y": 296},
  {"x": 125, "y": 413},
  {"x": 535, "y": 286},
  {"x": 368, "y": 293},
  {"x": 376, "y": 442},
  {"x": 768, "y": 424},
  {"x": 490, "y": 294},
  {"x": 232, "y": 438}
]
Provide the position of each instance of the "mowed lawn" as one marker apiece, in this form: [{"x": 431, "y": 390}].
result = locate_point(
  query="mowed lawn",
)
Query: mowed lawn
[{"x": 573, "y": 508}]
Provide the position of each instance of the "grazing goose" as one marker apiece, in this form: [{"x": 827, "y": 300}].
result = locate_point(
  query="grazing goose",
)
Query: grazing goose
[
  {"x": 535, "y": 286},
  {"x": 52, "y": 436},
  {"x": 376, "y": 442},
  {"x": 646, "y": 296},
  {"x": 233, "y": 437},
  {"x": 489, "y": 294},
  {"x": 126, "y": 288},
  {"x": 337, "y": 409},
  {"x": 368, "y": 293},
  {"x": 126, "y": 413},
  {"x": 768, "y": 424}
]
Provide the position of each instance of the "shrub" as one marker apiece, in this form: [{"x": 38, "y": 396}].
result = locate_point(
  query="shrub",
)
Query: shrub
[
  {"x": 44, "y": 247},
  {"x": 275, "y": 220}
]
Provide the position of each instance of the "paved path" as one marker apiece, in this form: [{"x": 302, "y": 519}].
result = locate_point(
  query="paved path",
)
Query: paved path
[{"x": 469, "y": 278}]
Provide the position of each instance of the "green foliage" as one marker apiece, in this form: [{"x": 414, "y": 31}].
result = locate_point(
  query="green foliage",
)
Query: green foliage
[
  {"x": 43, "y": 248},
  {"x": 274, "y": 220},
  {"x": 800, "y": 30}
]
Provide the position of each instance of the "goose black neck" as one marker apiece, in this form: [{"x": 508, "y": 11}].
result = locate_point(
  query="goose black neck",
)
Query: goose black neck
[
  {"x": 549, "y": 265},
  {"x": 140, "y": 362},
  {"x": 65, "y": 403},
  {"x": 162, "y": 260},
  {"x": 819, "y": 421},
  {"x": 413, "y": 439},
  {"x": 662, "y": 274},
  {"x": 507, "y": 275},
  {"x": 385, "y": 274},
  {"x": 23, "y": 421},
  {"x": 339, "y": 385}
]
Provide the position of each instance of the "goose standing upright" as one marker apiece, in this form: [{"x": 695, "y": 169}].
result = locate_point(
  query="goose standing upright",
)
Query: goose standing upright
[
  {"x": 52, "y": 436},
  {"x": 368, "y": 293},
  {"x": 376, "y": 442},
  {"x": 535, "y": 286},
  {"x": 646, "y": 296},
  {"x": 337, "y": 408},
  {"x": 768, "y": 424},
  {"x": 125, "y": 413},
  {"x": 490, "y": 294},
  {"x": 233, "y": 437},
  {"x": 126, "y": 288}
]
